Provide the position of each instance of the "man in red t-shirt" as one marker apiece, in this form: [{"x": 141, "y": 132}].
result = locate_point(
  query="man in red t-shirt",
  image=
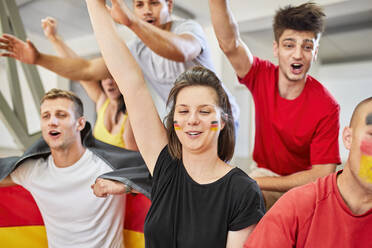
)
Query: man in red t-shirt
[
  {"x": 335, "y": 211},
  {"x": 297, "y": 120}
]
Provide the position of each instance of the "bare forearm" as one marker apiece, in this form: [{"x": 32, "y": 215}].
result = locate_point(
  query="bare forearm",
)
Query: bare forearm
[
  {"x": 172, "y": 46},
  {"x": 285, "y": 183},
  {"x": 228, "y": 37},
  {"x": 61, "y": 48},
  {"x": 72, "y": 68},
  {"x": 224, "y": 25},
  {"x": 92, "y": 88},
  {"x": 114, "y": 49},
  {"x": 140, "y": 106}
]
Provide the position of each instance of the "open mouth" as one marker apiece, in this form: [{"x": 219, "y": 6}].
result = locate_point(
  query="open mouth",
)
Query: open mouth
[
  {"x": 296, "y": 66},
  {"x": 193, "y": 133},
  {"x": 54, "y": 133},
  {"x": 151, "y": 21}
]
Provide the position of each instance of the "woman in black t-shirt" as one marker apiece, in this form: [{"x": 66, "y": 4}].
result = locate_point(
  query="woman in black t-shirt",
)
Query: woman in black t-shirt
[{"x": 198, "y": 200}]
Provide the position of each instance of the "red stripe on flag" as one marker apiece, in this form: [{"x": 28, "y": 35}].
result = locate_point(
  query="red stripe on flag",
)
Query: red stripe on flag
[
  {"x": 18, "y": 208},
  {"x": 136, "y": 210}
]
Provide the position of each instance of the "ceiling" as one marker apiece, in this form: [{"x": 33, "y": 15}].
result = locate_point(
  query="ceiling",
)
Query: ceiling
[{"x": 348, "y": 35}]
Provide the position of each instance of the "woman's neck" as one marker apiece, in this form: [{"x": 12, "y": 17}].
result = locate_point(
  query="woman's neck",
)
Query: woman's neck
[{"x": 204, "y": 167}]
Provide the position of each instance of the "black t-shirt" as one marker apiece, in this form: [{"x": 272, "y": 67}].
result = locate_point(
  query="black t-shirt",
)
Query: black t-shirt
[{"x": 184, "y": 213}]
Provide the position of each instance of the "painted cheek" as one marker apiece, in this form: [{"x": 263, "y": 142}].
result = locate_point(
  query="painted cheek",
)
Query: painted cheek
[
  {"x": 214, "y": 125},
  {"x": 176, "y": 126},
  {"x": 365, "y": 169}
]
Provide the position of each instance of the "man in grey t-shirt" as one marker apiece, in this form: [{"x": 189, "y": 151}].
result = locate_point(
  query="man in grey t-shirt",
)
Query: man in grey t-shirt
[{"x": 164, "y": 48}]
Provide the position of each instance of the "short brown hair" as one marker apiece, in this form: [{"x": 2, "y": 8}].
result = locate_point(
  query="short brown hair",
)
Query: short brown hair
[
  {"x": 305, "y": 17},
  {"x": 200, "y": 76},
  {"x": 58, "y": 93}
]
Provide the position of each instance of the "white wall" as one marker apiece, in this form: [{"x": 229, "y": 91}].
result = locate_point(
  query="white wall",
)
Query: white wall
[{"x": 349, "y": 83}]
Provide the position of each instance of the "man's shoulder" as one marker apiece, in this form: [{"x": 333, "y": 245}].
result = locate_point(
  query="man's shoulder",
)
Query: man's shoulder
[
  {"x": 321, "y": 93},
  {"x": 262, "y": 68},
  {"x": 305, "y": 198}
]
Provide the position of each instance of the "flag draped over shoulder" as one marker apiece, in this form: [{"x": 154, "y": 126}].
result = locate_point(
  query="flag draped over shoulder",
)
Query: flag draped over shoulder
[{"x": 21, "y": 224}]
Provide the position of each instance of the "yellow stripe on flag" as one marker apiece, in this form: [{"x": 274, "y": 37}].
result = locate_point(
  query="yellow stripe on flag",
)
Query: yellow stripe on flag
[
  {"x": 23, "y": 236},
  {"x": 35, "y": 237},
  {"x": 133, "y": 239}
]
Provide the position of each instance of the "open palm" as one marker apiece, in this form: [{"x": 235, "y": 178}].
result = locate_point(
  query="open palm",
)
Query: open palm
[{"x": 18, "y": 49}]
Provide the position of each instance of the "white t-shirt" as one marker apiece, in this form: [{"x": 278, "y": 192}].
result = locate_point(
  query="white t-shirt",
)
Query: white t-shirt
[
  {"x": 72, "y": 214},
  {"x": 161, "y": 73}
]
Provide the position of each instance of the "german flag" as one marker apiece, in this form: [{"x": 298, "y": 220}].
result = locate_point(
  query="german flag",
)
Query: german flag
[
  {"x": 214, "y": 125},
  {"x": 21, "y": 224},
  {"x": 176, "y": 126},
  {"x": 365, "y": 169}
]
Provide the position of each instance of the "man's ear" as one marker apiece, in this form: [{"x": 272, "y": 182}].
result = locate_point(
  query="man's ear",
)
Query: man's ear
[
  {"x": 347, "y": 137},
  {"x": 275, "y": 48},
  {"x": 81, "y": 123}
]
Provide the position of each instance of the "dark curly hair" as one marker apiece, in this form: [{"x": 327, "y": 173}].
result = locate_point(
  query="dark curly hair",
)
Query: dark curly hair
[{"x": 305, "y": 17}]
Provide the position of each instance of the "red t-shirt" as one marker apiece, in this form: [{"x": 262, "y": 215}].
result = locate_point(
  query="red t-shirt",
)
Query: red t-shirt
[
  {"x": 313, "y": 215},
  {"x": 292, "y": 135}
]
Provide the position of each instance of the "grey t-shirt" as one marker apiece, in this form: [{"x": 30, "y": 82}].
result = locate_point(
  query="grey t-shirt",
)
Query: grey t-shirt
[{"x": 161, "y": 73}]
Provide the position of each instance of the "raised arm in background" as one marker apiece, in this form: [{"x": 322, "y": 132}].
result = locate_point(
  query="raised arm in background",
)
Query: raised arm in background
[
  {"x": 92, "y": 88},
  {"x": 176, "y": 47},
  {"x": 227, "y": 33},
  {"x": 73, "y": 68},
  {"x": 147, "y": 127}
]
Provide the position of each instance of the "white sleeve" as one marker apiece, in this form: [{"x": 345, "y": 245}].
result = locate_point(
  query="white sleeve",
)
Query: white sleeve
[
  {"x": 22, "y": 175},
  {"x": 193, "y": 28}
]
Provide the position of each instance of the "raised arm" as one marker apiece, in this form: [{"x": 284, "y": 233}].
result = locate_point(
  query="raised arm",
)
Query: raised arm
[
  {"x": 72, "y": 68},
  {"x": 49, "y": 26},
  {"x": 177, "y": 47},
  {"x": 227, "y": 33},
  {"x": 148, "y": 129}
]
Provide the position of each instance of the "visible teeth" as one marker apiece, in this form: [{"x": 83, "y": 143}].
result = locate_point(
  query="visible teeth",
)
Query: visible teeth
[{"x": 193, "y": 133}]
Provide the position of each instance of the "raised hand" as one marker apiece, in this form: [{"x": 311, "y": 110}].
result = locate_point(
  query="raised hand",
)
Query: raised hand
[
  {"x": 49, "y": 25},
  {"x": 25, "y": 52},
  {"x": 120, "y": 13},
  {"x": 104, "y": 187}
]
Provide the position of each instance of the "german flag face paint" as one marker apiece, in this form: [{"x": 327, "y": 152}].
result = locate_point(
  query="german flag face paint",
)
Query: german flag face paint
[
  {"x": 176, "y": 126},
  {"x": 214, "y": 125},
  {"x": 365, "y": 169}
]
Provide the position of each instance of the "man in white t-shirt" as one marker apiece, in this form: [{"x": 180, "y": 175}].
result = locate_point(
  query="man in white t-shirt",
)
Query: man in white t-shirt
[{"x": 61, "y": 182}]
